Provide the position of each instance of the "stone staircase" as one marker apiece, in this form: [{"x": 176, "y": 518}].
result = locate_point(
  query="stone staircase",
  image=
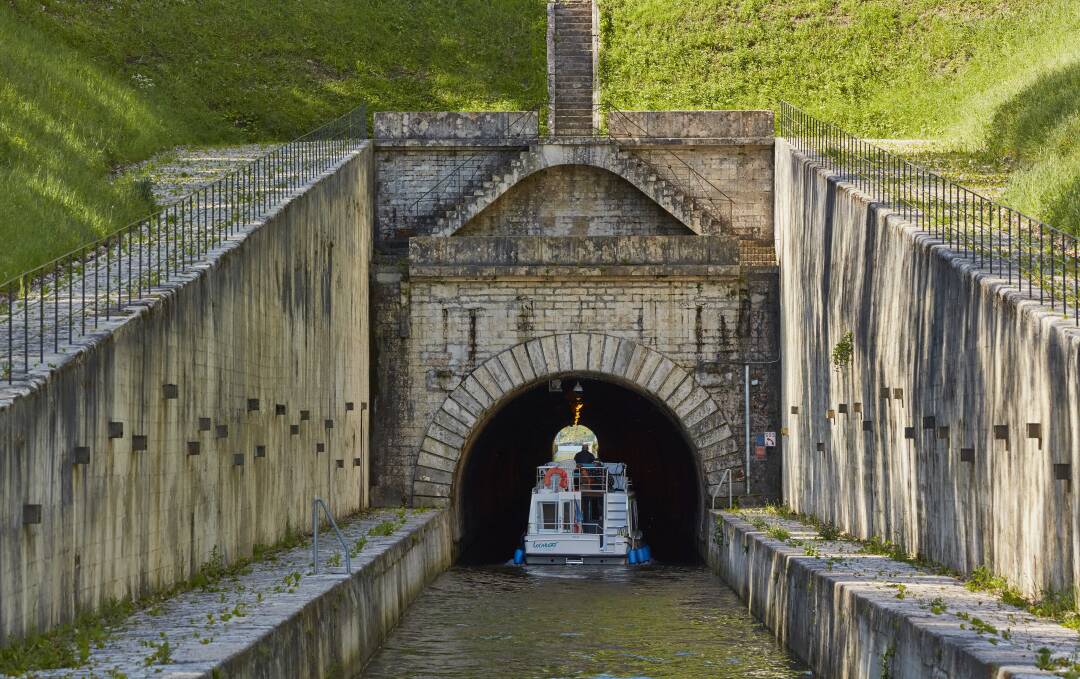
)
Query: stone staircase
[
  {"x": 684, "y": 207},
  {"x": 571, "y": 76}
]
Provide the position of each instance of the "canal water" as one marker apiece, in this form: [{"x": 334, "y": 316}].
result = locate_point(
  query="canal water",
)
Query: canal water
[{"x": 599, "y": 622}]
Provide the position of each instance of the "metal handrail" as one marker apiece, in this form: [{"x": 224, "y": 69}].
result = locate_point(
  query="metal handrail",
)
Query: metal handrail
[
  {"x": 539, "y": 529},
  {"x": 718, "y": 487},
  {"x": 596, "y": 478},
  {"x": 315, "y": 505},
  {"x": 52, "y": 306},
  {"x": 692, "y": 175},
  {"x": 993, "y": 236},
  {"x": 454, "y": 176}
]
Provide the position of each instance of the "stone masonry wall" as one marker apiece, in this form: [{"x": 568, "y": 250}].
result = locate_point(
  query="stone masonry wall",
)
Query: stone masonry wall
[
  {"x": 408, "y": 175},
  {"x": 280, "y": 319},
  {"x": 457, "y": 320},
  {"x": 956, "y": 430},
  {"x": 573, "y": 200},
  {"x": 742, "y": 173}
]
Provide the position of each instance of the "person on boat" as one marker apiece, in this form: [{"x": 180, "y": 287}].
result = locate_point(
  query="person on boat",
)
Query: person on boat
[{"x": 584, "y": 456}]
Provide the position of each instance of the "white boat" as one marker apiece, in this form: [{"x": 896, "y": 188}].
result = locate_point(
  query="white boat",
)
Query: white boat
[{"x": 584, "y": 511}]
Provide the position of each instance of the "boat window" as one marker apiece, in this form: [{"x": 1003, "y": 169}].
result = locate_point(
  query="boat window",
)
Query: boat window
[{"x": 548, "y": 515}]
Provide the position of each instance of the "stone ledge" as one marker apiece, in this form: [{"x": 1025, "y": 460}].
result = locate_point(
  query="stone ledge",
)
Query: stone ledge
[
  {"x": 668, "y": 272},
  {"x": 666, "y": 252},
  {"x": 843, "y": 611},
  {"x": 692, "y": 124},
  {"x": 456, "y": 125},
  {"x": 320, "y": 625}
]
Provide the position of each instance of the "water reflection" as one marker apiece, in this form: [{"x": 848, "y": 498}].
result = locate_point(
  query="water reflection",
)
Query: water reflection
[{"x": 598, "y": 622}]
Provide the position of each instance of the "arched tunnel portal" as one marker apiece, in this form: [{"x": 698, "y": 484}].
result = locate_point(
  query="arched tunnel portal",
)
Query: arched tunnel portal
[
  {"x": 482, "y": 448},
  {"x": 499, "y": 468}
]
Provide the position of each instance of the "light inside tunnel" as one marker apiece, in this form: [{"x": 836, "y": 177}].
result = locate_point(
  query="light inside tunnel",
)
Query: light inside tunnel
[{"x": 500, "y": 468}]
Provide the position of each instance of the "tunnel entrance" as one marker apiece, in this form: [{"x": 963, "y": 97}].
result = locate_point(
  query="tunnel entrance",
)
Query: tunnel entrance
[{"x": 500, "y": 467}]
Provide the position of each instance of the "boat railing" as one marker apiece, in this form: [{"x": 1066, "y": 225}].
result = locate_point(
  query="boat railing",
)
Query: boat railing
[
  {"x": 584, "y": 478},
  {"x": 572, "y": 528}
]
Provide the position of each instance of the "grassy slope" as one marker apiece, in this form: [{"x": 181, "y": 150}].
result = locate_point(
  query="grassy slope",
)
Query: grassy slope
[
  {"x": 89, "y": 86},
  {"x": 994, "y": 79},
  {"x": 86, "y": 87}
]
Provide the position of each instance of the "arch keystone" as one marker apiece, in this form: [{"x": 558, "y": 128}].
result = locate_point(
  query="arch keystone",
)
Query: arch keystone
[
  {"x": 596, "y": 352},
  {"x": 565, "y": 351},
  {"x": 579, "y": 350},
  {"x": 607, "y": 358}
]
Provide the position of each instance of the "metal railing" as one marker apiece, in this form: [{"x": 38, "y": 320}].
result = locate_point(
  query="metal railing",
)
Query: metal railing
[
  {"x": 317, "y": 504},
  {"x": 994, "y": 237},
  {"x": 583, "y": 478},
  {"x": 473, "y": 170},
  {"x": 710, "y": 197},
  {"x": 49, "y": 309},
  {"x": 569, "y": 528},
  {"x": 725, "y": 477}
]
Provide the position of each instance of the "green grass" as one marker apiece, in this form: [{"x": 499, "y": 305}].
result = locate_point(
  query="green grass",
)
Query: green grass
[
  {"x": 997, "y": 81},
  {"x": 89, "y": 87}
]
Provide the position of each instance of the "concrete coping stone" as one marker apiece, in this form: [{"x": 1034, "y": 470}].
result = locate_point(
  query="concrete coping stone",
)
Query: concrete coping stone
[
  {"x": 206, "y": 629},
  {"x": 974, "y": 631}
]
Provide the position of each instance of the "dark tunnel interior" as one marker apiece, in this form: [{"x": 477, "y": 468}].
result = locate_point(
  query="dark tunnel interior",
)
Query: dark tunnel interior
[{"x": 500, "y": 469}]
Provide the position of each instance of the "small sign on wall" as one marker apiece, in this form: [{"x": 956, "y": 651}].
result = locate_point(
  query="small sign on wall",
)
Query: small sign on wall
[
  {"x": 759, "y": 447},
  {"x": 770, "y": 439}
]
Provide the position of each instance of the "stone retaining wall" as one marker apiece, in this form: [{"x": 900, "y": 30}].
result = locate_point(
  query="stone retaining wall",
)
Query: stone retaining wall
[
  {"x": 956, "y": 430},
  {"x": 336, "y": 633},
  {"x": 206, "y": 422},
  {"x": 847, "y": 613}
]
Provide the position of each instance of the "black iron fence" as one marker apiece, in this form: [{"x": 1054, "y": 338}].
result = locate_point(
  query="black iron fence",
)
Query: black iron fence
[
  {"x": 1004, "y": 241},
  {"x": 474, "y": 168},
  {"x": 51, "y": 308},
  {"x": 670, "y": 164}
]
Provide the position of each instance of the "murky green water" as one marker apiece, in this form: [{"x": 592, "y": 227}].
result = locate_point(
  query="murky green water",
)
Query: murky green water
[{"x": 560, "y": 621}]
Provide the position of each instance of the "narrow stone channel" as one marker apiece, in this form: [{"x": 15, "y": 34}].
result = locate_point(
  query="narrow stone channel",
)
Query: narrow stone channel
[{"x": 601, "y": 622}]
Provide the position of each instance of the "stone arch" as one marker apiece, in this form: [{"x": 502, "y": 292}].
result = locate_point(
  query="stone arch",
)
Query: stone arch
[
  {"x": 498, "y": 380},
  {"x": 603, "y": 156}
]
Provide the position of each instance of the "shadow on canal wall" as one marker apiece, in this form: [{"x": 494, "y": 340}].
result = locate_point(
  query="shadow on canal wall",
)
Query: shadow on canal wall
[
  {"x": 955, "y": 432},
  {"x": 203, "y": 424}
]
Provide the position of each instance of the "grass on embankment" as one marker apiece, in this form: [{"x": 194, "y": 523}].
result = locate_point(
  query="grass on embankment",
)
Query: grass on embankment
[
  {"x": 89, "y": 87},
  {"x": 998, "y": 82}
]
